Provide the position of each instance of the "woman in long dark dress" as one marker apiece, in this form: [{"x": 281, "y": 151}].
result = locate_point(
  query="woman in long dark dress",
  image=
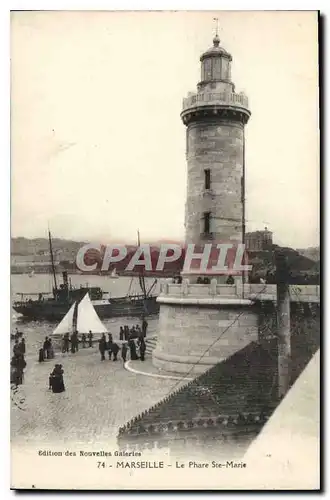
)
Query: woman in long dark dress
[
  {"x": 17, "y": 365},
  {"x": 56, "y": 381},
  {"x": 132, "y": 348}
]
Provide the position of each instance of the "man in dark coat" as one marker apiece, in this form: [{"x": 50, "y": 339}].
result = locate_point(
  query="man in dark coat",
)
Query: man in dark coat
[
  {"x": 142, "y": 349},
  {"x": 132, "y": 333},
  {"x": 66, "y": 343},
  {"x": 51, "y": 353},
  {"x": 138, "y": 330},
  {"x": 90, "y": 339},
  {"x": 83, "y": 340},
  {"x": 102, "y": 346},
  {"x": 16, "y": 348},
  {"x": 18, "y": 364},
  {"x": 46, "y": 347},
  {"x": 76, "y": 340},
  {"x": 73, "y": 350},
  {"x": 121, "y": 333},
  {"x": 114, "y": 349},
  {"x": 144, "y": 326},
  {"x": 124, "y": 351}
]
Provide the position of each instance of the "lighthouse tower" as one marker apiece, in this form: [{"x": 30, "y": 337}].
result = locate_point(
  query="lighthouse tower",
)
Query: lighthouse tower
[
  {"x": 215, "y": 117},
  {"x": 202, "y": 324}
]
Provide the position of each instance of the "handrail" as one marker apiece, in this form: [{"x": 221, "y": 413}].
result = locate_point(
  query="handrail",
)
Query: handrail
[{"x": 212, "y": 97}]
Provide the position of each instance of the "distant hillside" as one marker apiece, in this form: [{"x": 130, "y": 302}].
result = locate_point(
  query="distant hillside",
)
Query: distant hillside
[
  {"x": 312, "y": 253},
  {"x": 40, "y": 246},
  {"x": 301, "y": 267}
]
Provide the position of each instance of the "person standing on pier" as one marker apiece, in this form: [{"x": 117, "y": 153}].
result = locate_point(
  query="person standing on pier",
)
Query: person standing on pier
[
  {"x": 76, "y": 340},
  {"x": 102, "y": 346},
  {"x": 142, "y": 349},
  {"x": 90, "y": 339},
  {"x": 22, "y": 346},
  {"x": 16, "y": 348},
  {"x": 41, "y": 355},
  {"x": 46, "y": 347},
  {"x": 17, "y": 364},
  {"x": 121, "y": 333},
  {"x": 51, "y": 353},
  {"x": 132, "y": 348},
  {"x": 124, "y": 351},
  {"x": 109, "y": 345},
  {"x": 144, "y": 326},
  {"x": 132, "y": 333},
  {"x": 66, "y": 343},
  {"x": 114, "y": 350},
  {"x": 83, "y": 340},
  {"x": 138, "y": 330},
  {"x": 72, "y": 340}
]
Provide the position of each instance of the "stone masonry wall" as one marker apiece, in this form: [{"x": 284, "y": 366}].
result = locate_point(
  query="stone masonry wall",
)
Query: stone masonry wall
[
  {"x": 185, "y": 332},
  {"x": 216, "y": 145}
]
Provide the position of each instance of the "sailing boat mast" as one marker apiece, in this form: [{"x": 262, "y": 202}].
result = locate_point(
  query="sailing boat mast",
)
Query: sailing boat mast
[
  {"x": 52, "y": 258},
  {"x": 141, "y": 275}
]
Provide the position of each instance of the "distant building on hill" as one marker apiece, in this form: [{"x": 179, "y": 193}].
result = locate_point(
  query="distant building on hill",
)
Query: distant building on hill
[{"x": 259, "y": 240}]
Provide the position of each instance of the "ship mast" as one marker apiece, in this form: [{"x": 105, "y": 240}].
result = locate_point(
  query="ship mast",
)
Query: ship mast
[
  {"x": 141, "y": 275},
  {"x": 142, "y": 280},
  {"x": 52, "y": 258}
]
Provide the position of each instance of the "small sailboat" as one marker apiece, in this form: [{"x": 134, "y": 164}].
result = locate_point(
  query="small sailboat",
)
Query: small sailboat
[
  {"x": 114, "y": 274},
  {"x": 82, "y": 318}
]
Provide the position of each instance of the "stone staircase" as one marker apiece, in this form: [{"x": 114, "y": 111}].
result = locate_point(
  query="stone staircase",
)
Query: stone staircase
[{"x": 151, "y": 344}]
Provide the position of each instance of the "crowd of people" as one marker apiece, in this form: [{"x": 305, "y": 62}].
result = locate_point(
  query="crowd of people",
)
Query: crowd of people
[{"x": 132, "y": 345}]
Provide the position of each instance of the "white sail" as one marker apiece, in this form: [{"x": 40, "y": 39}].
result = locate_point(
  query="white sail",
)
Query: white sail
[
  {"x": 66, "y": 324},
  {"x": 87, "y": 318}
]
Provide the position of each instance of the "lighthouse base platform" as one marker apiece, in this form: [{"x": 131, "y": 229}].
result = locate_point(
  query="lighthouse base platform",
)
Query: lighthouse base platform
[{"x": 200, "y": 325}]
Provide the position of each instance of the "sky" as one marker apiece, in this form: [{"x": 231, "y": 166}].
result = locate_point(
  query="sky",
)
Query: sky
[{"x": 97, "y": 143}]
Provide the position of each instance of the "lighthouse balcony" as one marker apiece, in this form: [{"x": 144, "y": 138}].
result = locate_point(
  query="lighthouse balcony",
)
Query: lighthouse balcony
[
  {"x": 250, "y": 291},
  {"x": 216, "y": 98}
]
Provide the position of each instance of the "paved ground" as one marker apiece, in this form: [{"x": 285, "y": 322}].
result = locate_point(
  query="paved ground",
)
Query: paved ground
[{"x": 99, "y": 397}]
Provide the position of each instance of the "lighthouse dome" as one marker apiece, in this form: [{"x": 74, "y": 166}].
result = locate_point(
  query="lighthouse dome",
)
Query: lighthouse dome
[{"x": 216, "y": 50}]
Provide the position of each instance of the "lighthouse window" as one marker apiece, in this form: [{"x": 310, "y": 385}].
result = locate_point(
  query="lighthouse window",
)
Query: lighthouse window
[
  {"x": 216, "y": 68},
  {"x": 225, "y": 69},
  {"x": 207, "y": 222},
  {"x": 208, "y": 69},
  {"x": 207, "y": 178}
]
